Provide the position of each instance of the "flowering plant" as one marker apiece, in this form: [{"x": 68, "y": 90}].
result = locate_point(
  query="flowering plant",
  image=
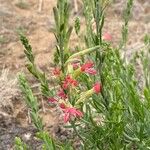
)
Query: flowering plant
[{"x": 97, "y": 90}]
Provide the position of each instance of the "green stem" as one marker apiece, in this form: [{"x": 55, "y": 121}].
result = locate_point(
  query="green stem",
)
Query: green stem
[{"x": 75, "y": 130}]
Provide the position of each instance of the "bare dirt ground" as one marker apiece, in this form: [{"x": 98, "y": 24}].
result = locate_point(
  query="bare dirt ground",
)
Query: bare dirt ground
[{"x": 24, "y": 15}]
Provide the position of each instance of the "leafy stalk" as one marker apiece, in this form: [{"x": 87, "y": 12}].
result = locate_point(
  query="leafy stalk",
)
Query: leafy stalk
[
  {"x": 19, "y": 145},
  {"x": 33, "y": 68},
  {"x": 127, "y": 16},
  {"x": 31, "y": 102},
  {"x": 62, "y": 32}
]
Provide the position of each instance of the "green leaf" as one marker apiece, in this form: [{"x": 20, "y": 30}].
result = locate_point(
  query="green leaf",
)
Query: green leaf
[
  {"x": 56, "y": 17},
  {"x": 31, "y": 101},
  {"x": 147, "y": 96},
  {"x": 19, "y": 145},
  {"x": 48, "y": 141},
  {"x": 28, "y": 48},
  {"x": 77, "y": 25},
  {"x": 83, "y": 52}
]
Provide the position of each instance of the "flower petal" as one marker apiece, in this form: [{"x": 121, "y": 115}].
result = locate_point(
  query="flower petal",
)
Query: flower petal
[
  {"x": 66, "y": 117},
  {"x": 87, "y": 65},
  {"x": 56, "y": 72},
  {"x": 97, "y": 88},
  {"x": 62, "y": 106},
  {"x": 52, "y": 100},
  {"x": 107, "y": 37},
  {"x": 91, "y": 71},
  {"x": 62, "y": 94}
]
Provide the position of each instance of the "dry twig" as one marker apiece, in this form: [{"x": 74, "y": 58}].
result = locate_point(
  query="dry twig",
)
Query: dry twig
[{"x": 40, "y": 5}]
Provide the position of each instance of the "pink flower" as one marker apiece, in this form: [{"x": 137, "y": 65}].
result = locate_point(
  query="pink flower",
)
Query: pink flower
[
  {"x": 71, "y": 112},
  {"x": 69, "y": 82},
  {"x": 52, "y": 100},
  {"x": 68, "y": 79},
  {"x": 88, "y": 68},
  {"x": 62, "y": 94},
  {"x": 62, "y": 106},
  {"x": 107, "y": 37},
  {"x": 56, "y": 72},
  {"x": 91, "y": 71},
  {"x": 97, "y": 88},
  {"x": 65, "y": 85},
  {"x": 74, "y": 82},
  {"x": 75, "y": 65}
]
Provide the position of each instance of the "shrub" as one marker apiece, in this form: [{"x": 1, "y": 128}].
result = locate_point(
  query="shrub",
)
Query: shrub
[{"x": 97, "y": 90}]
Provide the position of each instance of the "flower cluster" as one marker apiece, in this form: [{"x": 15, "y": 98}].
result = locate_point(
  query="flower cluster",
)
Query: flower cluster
[
  {"x": 62, "y": 94},
  {"x": 69, "y": 82},
  {"x": 70, "y": 113},
  {"x": 56, "y": 72},
  {"x": 88, "y": 68}
]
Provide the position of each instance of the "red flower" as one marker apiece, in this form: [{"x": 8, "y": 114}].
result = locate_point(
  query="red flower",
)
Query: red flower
[
  {"x": 56, "y": 72},
  {"x": 69, "y": 82},
  {"x": 65, "y": 85},
  {"x": 71, "y": 112},
  {"x": 62, "y": 106},
  {"x": 107, "y": 37},
  {"x": 68, "y": 79},
  {"x": 62, "y": 94},
  {"x": 74, "y": 82},
  {"x": 97, "y": 88},
  {"x": 88, "y": 68},
  {"x": 52, "y": 100},
  {"x": 91, "y": 71}
]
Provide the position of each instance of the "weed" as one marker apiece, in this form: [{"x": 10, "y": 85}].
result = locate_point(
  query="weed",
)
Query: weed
[{"x": 97, "y": 91}]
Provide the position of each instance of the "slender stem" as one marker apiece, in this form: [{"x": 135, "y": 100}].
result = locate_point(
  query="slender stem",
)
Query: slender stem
[{"x": 75, "y": 130}]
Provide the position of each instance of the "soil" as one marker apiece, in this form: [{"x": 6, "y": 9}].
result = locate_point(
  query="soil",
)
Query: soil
[{"x": 26, "y": 16}]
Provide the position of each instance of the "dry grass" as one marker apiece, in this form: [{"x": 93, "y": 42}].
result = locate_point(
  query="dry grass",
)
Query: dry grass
[{"x": 8, "y": 89}]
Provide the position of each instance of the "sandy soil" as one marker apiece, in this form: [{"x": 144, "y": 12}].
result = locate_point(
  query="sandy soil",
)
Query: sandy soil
[{"x": 24, "y": 15}]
